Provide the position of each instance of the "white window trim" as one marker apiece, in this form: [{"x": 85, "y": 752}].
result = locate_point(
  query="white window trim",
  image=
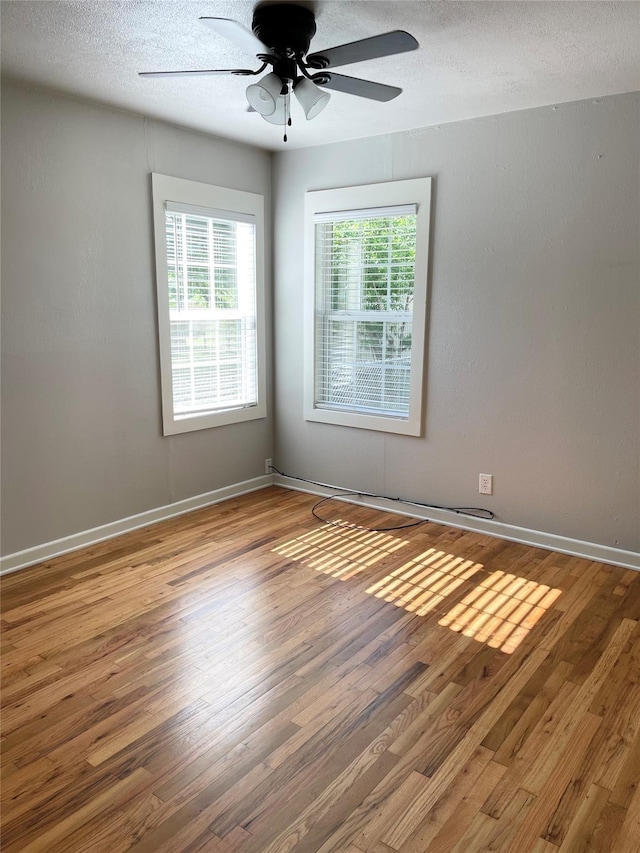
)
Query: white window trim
[
  {"x": 371, "y": 196},
  {"x": 168, "y": 189}
]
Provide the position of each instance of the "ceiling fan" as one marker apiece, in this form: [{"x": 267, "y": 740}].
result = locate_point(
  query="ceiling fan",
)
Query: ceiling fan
[{"x": 280, "y": 36}]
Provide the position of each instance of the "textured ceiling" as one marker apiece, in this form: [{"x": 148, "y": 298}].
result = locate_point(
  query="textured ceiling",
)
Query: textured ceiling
[{"x": 475, "y": 59}]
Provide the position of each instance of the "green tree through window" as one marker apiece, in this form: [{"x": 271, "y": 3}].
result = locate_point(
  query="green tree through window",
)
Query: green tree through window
[{"x": 367, "y": 270}]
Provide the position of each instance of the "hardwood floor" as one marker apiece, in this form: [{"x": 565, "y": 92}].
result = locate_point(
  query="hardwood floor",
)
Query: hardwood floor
[{"x": 247, "y": 679}]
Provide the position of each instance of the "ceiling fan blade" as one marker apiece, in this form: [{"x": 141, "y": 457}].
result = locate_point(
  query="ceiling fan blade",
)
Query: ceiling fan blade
[
  {"x": 238, "y": 34},
  {"x": 386, "y": 44},
  {"x": 208, "y": 73},
  {"x": 362, "y": 88}
]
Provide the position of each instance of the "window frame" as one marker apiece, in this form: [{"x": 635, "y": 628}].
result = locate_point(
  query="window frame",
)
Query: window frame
[
  {"x": 218, "y": 199},
  {"x": 416, "y": 191}
]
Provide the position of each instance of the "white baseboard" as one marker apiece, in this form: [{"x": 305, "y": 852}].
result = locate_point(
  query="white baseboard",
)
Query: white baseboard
[
  {"x": 22, "y": 559},
  {"x": 563, "y": 544}
]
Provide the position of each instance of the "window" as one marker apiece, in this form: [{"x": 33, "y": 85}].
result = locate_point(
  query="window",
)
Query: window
[
  {"x": 210, "y": 304},
  {"x": 367, "y": 253}
]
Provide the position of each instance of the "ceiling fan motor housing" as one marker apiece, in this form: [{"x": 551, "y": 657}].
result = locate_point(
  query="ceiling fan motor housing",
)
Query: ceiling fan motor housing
[{"x": 285, "y": 28}]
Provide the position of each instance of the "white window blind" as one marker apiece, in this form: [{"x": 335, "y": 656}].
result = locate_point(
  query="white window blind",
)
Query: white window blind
[
  {"x": 365, "y": 276},
  {"x": 212, "y": 309}
]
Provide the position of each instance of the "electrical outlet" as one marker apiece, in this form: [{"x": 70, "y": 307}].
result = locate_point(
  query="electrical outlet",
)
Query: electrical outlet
[
  {"x": 267, "y": 466},
  {"x": 485, "y": 484}
]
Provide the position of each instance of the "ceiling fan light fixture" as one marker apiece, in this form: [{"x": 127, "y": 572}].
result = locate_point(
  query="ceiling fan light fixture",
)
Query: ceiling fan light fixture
[
  {"x": 280, "y": 36},
  {"x": 263, "y": 96},
  {"x": 310, "y": 97}
]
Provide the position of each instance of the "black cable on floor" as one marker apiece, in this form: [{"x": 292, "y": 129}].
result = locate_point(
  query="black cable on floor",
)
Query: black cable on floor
[{"x": 473, "y": 511}]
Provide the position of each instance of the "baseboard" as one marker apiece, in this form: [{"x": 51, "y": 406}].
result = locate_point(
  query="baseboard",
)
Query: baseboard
[
  {"x": 549, "y": 541},
  {"x": 565, "y": 545},
  {"x": 22, "y": 559}
]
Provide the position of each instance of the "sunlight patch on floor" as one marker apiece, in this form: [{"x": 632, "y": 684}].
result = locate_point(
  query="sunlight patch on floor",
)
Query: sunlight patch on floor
[
  {"x": 340, "y": 552},
  {"x": 422, "y": 584},
  {"x": 501, "y": 610},
  {"x": 498, "y": 608}
]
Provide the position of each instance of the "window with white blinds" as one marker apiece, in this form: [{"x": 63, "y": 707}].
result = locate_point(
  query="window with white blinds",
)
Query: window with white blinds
[
  {"x": 368, "y": 309},
  {"x": 208, "y": 306},
  {"x": 365, "y": 262}
]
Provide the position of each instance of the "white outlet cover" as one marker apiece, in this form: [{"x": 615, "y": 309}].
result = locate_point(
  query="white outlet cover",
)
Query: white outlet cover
[{"x": 485, "y": 484}]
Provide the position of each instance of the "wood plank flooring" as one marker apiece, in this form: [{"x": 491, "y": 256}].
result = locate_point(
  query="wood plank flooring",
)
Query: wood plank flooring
[{"x": 245, "y": 679}]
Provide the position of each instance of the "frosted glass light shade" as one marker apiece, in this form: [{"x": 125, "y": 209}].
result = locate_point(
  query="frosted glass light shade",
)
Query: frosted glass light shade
[
  {"x": 279, "y": 115},
  {"x": 262, "y": 96},
  {"x": 311, "y": 98}
]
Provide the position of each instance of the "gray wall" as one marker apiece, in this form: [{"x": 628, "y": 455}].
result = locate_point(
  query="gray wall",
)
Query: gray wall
[
  {"x": 532, "y": 370},
  {"x": 532, "y": 364},
  {"x": 82, "y": 442}
]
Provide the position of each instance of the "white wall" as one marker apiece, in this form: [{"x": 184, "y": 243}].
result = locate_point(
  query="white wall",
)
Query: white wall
[
  {"x": 532, "y": 370},
  {"x": 82, "y": 442}
]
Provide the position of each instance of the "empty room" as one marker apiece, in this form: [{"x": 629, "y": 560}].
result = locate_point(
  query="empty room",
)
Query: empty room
[{"x": 320, "y": 426}]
